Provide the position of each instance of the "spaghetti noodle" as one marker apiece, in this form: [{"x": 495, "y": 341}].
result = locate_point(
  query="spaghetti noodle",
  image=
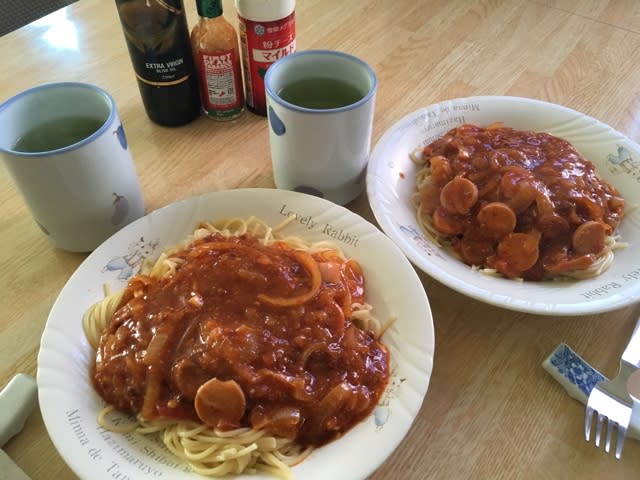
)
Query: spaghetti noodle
[
  {"x": 520, "y": 204},
  {"x": 243, "y": 349}
]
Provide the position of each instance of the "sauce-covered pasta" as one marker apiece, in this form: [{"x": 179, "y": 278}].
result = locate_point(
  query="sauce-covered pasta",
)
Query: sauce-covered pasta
[
  {"x": 247, "y": 336},
  {"x": 520, "y": 203}
]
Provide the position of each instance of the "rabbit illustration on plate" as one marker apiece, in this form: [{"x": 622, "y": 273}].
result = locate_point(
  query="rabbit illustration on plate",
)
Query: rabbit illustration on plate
[{"x": 131, "y": 261}]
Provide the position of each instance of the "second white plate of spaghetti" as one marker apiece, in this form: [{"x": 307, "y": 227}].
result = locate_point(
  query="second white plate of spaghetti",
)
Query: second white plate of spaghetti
[
  {"x": 70, "y": 405},
  {"x": 391, "y": 181}
]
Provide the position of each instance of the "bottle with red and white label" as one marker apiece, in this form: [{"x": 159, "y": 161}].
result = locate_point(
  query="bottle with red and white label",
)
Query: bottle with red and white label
[
  {"x": 267, "y": 32},
  {"x": 214, "y": 43}
]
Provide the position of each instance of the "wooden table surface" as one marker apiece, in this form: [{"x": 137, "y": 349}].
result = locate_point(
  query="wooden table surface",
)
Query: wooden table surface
[{"x": 491, "y": 411}]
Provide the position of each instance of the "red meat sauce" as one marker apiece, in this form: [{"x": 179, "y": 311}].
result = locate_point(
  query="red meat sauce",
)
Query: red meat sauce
[
  {"x": 231, "y": 341},
  {"x": 524, "y": 203}
]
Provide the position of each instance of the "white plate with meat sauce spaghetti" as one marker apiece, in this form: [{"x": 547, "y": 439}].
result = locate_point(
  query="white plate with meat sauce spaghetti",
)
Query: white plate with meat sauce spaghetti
[
  {"x": 391, "y": 180},
  {"x": 70, "y": 405}
]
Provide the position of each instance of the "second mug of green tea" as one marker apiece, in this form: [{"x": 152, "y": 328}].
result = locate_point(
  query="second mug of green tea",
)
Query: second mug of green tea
[
  {"x": 65, "y": 148},
  {"x": 320, "y": 107}
]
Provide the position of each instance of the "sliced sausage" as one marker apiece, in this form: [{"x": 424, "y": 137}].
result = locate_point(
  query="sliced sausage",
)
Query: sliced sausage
[
  {"x": 459, "y": 195},
  {"x": 497, "y": 218},
  {"x": 475, "y": 251},
  {"x": 220, "y": 403},
  {"x": 553, "y": 226},
  {"x": 517, "y": 252},
  {"x": 589, "y": 238},
  {"x": 447, "y": 223}
]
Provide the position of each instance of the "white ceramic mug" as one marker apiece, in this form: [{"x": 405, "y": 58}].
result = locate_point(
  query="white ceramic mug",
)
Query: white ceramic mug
[
  {"x": 322, "y": 151},
  {"x": 79, "y": 193}
]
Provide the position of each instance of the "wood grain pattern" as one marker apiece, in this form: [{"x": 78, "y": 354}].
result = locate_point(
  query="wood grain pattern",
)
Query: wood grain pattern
[{"x": 491, "y": 410}]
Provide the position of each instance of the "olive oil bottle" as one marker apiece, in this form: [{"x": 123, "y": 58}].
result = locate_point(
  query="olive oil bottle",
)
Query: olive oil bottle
[{"x": 157, "y": 37}]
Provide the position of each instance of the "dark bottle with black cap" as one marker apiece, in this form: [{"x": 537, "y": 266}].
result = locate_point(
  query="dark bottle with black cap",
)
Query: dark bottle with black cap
[{"x": 157, "y": 36}]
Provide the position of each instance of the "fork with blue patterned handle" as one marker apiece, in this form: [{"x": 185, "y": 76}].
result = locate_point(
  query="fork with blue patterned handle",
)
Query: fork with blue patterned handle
[{"x": 611, "y": 401}]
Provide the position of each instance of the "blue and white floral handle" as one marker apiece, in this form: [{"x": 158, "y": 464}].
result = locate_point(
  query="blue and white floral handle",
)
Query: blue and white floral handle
[{"x": 577, "y": 377}]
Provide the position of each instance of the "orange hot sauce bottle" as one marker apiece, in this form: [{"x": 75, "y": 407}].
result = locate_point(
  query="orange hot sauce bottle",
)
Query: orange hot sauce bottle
[{"x": 214, "y": 42}]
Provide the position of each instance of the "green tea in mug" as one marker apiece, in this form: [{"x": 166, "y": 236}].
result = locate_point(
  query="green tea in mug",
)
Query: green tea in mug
[
  {"x": 56, "y": 134},
  {"x": 320, "y": 93}
]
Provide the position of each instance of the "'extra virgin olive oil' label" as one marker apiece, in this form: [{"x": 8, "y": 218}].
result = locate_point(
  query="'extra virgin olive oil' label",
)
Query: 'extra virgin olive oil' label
[{"x": 158, "y": 40}]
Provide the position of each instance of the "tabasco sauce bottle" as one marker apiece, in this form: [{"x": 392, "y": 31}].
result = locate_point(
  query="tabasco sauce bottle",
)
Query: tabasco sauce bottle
[{"x": 214, "y": 42}]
